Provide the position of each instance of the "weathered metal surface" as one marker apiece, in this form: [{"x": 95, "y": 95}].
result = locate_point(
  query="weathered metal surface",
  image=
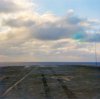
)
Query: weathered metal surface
[{"x": 64, "y": 82}]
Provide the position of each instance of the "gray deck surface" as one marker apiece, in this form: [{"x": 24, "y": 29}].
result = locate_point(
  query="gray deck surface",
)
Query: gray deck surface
[{"x": 65, "y": 82}]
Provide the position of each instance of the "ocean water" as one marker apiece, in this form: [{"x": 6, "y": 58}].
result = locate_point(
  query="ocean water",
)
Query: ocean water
[{"x": 48, "y": 63}]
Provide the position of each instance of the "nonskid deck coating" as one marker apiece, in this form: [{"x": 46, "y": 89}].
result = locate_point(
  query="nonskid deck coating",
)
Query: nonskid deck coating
[{"x": 50, "y": 83}]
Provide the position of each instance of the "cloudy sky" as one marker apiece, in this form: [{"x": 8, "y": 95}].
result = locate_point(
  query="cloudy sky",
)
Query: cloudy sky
[{"x": 49, "y": 30}]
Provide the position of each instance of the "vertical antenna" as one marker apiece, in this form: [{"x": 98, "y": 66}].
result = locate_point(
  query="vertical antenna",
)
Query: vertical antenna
[{"x": 96, "y": 61}]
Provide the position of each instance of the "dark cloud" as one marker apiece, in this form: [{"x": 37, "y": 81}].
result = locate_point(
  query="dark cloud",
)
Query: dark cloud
[
  {"x": 58, "y": 30},
  {"x": 7, "y": 6},
  {"x": 49, "y": 33},
  {"x": 16, "y": 23},
  {"x": 93, "y": 38},
  {"x": 74, "y": 20}
]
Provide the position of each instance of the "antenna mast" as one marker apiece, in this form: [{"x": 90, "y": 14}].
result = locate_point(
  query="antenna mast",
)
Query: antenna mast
[{"x": 96, "y": 59}]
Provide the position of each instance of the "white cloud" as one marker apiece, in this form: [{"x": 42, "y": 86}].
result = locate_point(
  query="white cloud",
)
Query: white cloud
[{"x": 24, "y": 32}]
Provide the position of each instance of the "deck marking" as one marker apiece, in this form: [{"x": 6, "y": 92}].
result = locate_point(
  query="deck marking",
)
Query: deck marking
[
  {"x": 10, "y": 88},
  {"x": 67, "y": 91}
]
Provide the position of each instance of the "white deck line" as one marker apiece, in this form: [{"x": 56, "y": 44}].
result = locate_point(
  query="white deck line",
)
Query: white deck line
[{"x": 10, "y": 88}]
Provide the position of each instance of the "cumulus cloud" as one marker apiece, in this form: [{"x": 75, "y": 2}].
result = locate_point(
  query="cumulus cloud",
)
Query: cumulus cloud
[
  {"x": 7, "y": 6},
  {"x": 55, "y": 28},
  {"x": 11, "y": 6},
  {"x": 46, "y": 29},
  {"x": 26, "y": 32},
  {"x": 62, "y": 28},
  {"x": 19, "y": 23}
]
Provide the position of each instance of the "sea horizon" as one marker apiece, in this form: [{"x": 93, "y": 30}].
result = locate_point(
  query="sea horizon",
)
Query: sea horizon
[{"x": 49, "y": 63}]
